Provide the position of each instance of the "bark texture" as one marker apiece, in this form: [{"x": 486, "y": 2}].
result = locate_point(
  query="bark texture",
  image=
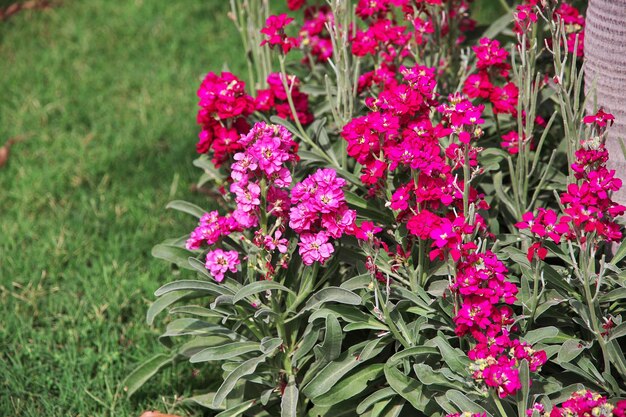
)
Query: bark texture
[{"x": 605, "y": 60}]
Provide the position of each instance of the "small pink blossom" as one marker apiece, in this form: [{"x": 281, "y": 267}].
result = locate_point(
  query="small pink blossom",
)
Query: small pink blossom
[
  {"x": 315, "y": 248},
  {"x": 218, "y": 262}
]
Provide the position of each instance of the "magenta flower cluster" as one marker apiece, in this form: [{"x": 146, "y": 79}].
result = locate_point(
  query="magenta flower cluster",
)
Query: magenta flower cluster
[
  {"x": 319, "y": 212},
  {"x": 225, "y": 107},
  {"x": 589, "y": 210}
]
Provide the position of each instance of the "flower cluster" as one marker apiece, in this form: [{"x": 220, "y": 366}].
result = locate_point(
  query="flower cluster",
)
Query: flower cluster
[
  {"x": 260, "y": 174},
  {"x": 588, "y": 403},
  {"x": 274, "y": 99},
  {"x": 397, "y": 130},
  {"x": 524, "y": 17},
  {"x": 211, "y": 227},
  {"x": 274, "y": 32},
  {"x": 588, "y": 202},
  {"x": 492, "y": 82},
  {"x": 224, "y": 106},
  {"x": 314, "y": 38},
  {"x": 268, "y": 149},
  {"x": 319, "y": 212},
  {"x": 589, "y": 210},
  {"x": 398, "y": 135},
  {"x": 481, "y": 280},
  {"x": 546, "y": 224}
]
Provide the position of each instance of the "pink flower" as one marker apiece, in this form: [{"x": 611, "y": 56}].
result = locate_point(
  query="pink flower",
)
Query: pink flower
[
  {"x": 367, "y": 231},
  {"x": 274, "y": 32},
  {"x": 504, "y": 99},
  {"x": 422, "y": 224},
  {"x": 276, "y": 242},
  {"x": 490, "y": 54},
  {"x": 268, "y": 154},
  {"x": 219, "y": 262},
  {"x": 600, "y": 118},
  {"x": 315, "y": 248},
  {"x": 247, "y": 196},
  {"x": 478, "y": 85}
]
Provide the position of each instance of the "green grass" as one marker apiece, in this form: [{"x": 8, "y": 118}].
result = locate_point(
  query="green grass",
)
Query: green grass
[{"x": 105, "y": 92}]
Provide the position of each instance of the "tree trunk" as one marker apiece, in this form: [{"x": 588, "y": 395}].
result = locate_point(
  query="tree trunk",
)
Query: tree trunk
[{"x": 605, "y": 64}]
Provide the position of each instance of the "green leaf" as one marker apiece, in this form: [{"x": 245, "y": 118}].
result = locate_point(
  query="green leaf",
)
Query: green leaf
[
  {"x": 411, "y": 352},
  {"x": 620, "y": 253},
  {"x": 193, "y": 285},
  {"x": 246, "y": 368},
  {"x": 172, "y": 254},
  {"x": 524, "y": 376},
  {"x": 332, "y": 294},
  {"x": 373, "y": 398},
  {"x": 454, "y": 358},
  {"x": 497, "y": 26},
  {"x": 186, "y": 207},
  {"x": 394, "y": 408},
  {"x": 537, "y": 335},
  {"x": 351, "y": 386},
  {"x": 196, "y": 311},
  {"x": 237, "y": 410},
  {"x": 358, "y": 282},
  {"x": 618, "y": 294},
  {"x": 227, "y": 351},
  {"x": 257, "y": 287},
  {"x": 497, "y": 183},
  {"x": 570, "y": 350},
  {"x": 196, "y": 344},
  {"x": 428, "y": 376},
  {"x": 367, "y": 208},
  {"x": 351, "y": 314},
  {"x": 199, "y": 266},
  {"x": 409, "y": 388},
  {"x": 289, "y": 402},
  {"x": 311, "y": 335},
  {"x": 164, "y": 302},
  {"x": 334, "y": 371},
  {"x": 144, "y": 372},
  {"x": 464, "y": 403},
  {"x": 270, "y": 344},
  {"x": 577, "y": 370},
  {"x": 191, "y": 326},
  {"x": 331, "y": 346},
  {"x": 203, "y": 400}
]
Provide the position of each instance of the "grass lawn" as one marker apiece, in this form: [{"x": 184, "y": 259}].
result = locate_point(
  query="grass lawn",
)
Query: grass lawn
[{"x": 105, "y": 93}]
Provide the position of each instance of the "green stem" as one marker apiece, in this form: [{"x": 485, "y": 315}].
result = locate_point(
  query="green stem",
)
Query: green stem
[
  {"x": 594, "y": 323},
  {"x": 535, "y": 301},
  {"x": 498, "y": 403}
]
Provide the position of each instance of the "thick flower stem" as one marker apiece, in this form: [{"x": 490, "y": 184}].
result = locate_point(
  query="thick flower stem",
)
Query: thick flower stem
[
  {"x": 498, "y": 403},
  {"x": 466, "y": 183},
  {"x": 594, "y": 323},
  {"x": 535, "y": 299}
]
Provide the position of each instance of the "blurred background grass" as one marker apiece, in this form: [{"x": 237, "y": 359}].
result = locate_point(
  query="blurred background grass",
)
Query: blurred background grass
[{"x": 104, "y": 91}]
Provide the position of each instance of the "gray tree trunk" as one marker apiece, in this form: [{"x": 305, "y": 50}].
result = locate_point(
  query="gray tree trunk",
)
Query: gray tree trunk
[{"x": 605, "y": 64}]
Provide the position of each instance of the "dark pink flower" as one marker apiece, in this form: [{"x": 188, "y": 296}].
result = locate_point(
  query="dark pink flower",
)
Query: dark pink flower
[
  {"x": 218, "y": 262},
  {"x": 315, "y": 248}
]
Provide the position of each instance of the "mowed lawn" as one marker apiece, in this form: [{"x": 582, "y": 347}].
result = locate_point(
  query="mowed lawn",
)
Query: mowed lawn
[{"x": 104, "y": 93}]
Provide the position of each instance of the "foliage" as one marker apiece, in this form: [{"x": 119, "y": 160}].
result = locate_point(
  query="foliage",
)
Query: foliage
[{"x": 405, "y": 230}]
